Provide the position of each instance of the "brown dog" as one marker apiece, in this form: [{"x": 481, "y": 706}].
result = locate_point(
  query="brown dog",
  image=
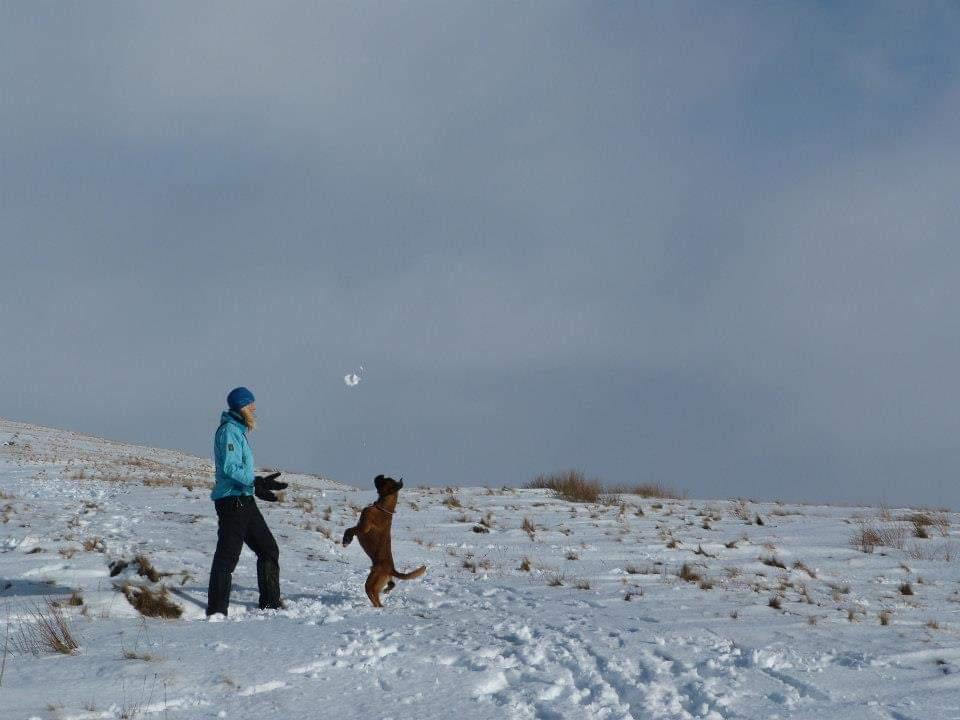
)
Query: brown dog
[{"x": 373, "y": 529}]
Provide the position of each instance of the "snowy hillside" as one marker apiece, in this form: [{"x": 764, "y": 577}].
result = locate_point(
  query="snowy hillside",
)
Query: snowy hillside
[{"x": 532, "y": 606}]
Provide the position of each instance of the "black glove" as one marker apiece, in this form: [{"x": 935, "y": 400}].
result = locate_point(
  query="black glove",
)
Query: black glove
[{"x": 263, "y": 486}]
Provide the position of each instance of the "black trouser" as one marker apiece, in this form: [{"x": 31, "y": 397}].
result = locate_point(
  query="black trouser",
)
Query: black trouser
[{"x": 239, "y": 521}]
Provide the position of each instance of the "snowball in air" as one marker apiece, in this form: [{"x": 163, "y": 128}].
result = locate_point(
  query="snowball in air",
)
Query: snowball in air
[{"x": 351, "y": 380}]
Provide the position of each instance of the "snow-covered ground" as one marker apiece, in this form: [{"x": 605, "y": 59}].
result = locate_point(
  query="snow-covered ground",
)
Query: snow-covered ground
[{"x": 600, "y": 625}]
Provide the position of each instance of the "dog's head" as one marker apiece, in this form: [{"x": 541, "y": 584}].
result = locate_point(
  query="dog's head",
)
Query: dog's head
[{"x": 387, "y": 485}]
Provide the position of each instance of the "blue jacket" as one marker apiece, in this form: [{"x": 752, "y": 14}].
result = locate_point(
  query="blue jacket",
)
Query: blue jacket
[{"x": 233, "y": 457}]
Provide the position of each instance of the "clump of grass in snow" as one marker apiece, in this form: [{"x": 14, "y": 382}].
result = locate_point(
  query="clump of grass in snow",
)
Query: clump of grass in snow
[
  {"x": 146, "y": 568},
  {"x": 45, "y": 630},
  {"x": 570, "y": 485},
  {"x": 152, "y": 603},
  {"x": 689, "y": 574}
]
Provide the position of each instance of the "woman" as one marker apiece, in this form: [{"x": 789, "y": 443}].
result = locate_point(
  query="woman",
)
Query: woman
[{"x": 238, "y": 518}]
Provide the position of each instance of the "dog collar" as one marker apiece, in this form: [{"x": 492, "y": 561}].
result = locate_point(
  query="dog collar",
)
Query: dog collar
[{"x": 388, "y": 512}]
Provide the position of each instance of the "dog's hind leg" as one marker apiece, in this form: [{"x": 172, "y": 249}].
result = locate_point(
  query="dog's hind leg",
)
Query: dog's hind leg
[{"x": 375, "y": 582}]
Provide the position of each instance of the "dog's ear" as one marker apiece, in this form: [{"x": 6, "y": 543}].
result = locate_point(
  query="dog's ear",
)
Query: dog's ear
[{"x": 378, "y": 482}]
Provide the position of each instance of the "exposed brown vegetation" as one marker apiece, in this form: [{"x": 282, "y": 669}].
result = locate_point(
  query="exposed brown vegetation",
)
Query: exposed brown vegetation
[
  {"x": 45, "y": 630},
  {"x": 146, "y": 568},
  {"x": 570, "y": 485},
  {"x": 798, "y": 565},
  {"x": 689, "y": 574},
  {"x": 151, "y": 603}
]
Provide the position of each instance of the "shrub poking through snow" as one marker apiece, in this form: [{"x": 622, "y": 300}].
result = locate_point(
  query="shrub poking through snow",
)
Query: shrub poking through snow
[
  {"x": 775, "y": 602},
  {"x": 528, "y": 527},
  {"x": 45, "y": 630},
  {"x": 923, "y": 520},
  {"x": 525, "y": 565},
  {"x": 885, "y": 616},
  {"x": 570, "y": 485},
  {"x": 151, "y": 603},
  {"x": 146, "y": 568},
  {"x": 773, "y": 561},
  {"x": 689, "y": 573},
  {"x": 906, "y": 589},
  {"x": 452, "y": 501}
]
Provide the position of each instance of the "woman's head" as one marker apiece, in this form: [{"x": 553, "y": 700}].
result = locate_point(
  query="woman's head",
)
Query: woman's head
[{"x": 241, "y": 401}]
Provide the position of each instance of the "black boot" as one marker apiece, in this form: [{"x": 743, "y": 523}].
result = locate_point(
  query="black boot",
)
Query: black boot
[
  {"x": 268, "y": 579},
  {"x": 218, "y": 593}
]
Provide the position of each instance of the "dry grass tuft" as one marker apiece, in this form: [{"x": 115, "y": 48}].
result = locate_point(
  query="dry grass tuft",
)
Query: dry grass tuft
[
  {"x": 773, "y": 561},
  {"x": 452, "y": 501},
  {"x": 570, "y": 485},
  {"x": 885, "y": 616},
  {"x": 94, "y": 544},
  {"x": 146, "y": 568},
  {"x": 776, "y": 602},
  {"x": 151, "y": 603},
  {"x": 798, "y": 565},
  {"x": 906, "y": 589},
  {"x": 648, "y": 490},
  {"x": 45, "y": 630},
  {"x": 689, "y": 573},
  {"x": 525, "y": 565},
  {"x": 921, "y": 520}
]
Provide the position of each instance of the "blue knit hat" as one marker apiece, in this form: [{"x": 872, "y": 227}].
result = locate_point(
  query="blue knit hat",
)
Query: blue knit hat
[{"x": 239, "y": 397}]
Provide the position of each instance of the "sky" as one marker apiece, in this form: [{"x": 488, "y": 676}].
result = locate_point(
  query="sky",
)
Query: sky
[{"x": 711, "y": 245}]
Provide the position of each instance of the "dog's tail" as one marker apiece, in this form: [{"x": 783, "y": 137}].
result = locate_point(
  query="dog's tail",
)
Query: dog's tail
[{"x": 410, "y": 575}]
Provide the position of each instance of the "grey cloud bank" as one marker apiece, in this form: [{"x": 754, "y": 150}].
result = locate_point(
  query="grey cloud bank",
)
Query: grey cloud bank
[{"x": 714, "y": 247}]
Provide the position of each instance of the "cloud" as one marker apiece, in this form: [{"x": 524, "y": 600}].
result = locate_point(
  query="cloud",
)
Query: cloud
[{"x": 702, "y": 245}]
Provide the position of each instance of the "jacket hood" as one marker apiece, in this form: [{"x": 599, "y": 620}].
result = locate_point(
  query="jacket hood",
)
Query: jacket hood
[{"x": 227, "y": 416}]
